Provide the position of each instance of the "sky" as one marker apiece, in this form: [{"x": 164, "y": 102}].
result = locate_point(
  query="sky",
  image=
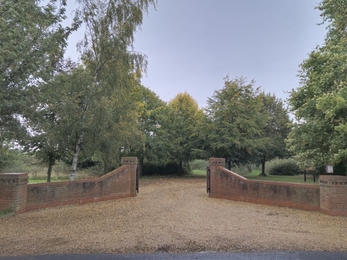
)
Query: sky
[{"x": 192, "y": 45}]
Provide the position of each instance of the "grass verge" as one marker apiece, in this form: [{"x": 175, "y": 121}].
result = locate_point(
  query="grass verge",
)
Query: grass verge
[
  {"x": 41, "y": 180},
  {"x": 199, "y": 172},
  {"x": 4, "y": 212}
]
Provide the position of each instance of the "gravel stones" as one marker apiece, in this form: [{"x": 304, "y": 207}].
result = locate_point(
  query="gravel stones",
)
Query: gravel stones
[{"x": 170, "y": 215}]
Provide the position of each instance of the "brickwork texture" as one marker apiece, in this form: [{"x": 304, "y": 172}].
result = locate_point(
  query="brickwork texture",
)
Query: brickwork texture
[
  {"x": 329, "y": 197},
  {"x": 18, "y": 196}
]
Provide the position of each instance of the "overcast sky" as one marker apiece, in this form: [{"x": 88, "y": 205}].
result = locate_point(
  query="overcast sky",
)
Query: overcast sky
[{"x": 193, "y": 44}]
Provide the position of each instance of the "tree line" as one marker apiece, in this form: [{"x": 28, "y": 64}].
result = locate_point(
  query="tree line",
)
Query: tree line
[{"x": 97, "y": 110}]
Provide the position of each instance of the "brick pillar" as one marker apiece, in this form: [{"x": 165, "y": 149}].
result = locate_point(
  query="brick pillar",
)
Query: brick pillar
[
  {"x": 132, "y": 164},
  {"x": 333, "y": 194},
  {"x": 213, "y": 164},
  {"x": 13, "y": 191}
]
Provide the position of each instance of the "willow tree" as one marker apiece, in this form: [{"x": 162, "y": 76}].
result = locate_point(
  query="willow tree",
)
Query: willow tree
[{"x": 107, "y": 55}]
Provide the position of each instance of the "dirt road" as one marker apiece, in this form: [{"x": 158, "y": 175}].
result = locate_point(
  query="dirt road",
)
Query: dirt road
[{"x": 170, "y": 215}]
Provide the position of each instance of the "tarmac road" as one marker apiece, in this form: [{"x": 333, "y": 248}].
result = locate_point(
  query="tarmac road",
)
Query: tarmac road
[{"x": 204, "y": 256}]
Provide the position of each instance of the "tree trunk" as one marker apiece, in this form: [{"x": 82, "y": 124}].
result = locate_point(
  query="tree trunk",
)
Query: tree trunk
[
  {"x": 105, "y": 167},
  {"x": 263, "y": 167},
  {"x": 50, "y": 165},
  {"x": 180, "y": 168},
  {"x": 229, "y": 164},
  {"x": 75, "y": 158}
]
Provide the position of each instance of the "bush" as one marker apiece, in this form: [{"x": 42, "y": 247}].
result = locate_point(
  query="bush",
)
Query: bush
[
  {"x": 171, "y": 168},
  {"x": 198, "y": 164},
  {"x": 242, "y": 169},
  {"x": 149, "y": 168},
  {"x": 286, "y": 167}
]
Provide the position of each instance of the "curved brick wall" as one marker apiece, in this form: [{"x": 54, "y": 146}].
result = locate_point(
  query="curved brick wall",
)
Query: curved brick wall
[{"x": 18, "y": 196}]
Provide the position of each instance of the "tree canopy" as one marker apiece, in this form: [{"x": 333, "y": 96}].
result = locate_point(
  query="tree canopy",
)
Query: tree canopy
[
  {"x": 236, "y": 121},
  {"x": 319, "y": 135},
  {"x": 32, "y": 42},
  {"x": 70, "y": 108},
  {"x": 98, "y": 110}
]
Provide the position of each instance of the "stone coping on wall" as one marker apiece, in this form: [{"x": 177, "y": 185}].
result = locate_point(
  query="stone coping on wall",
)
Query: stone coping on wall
[
  {"x": 332, "y": 180},
  {"x": 103, "y": 177},
  {"x": 216, "y": 162},
  {"x": 129, "y": 160},
  {"x": 14, "y": 178},
  {"x": 267, "y": 182},
  {"x": 293, "y": 195}
]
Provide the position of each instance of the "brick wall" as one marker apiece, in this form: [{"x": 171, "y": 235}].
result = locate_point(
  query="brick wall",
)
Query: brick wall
[
  {"x": 119, "y": 183},
  {"x": 19, "y": 196},
  {"x": 13, "y": 191},
  {"x": 333, "y": 199},
  {"x": 229, "y": 185}
]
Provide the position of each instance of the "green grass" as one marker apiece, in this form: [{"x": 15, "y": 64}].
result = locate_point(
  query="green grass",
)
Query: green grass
[
  {"x": 4, "y": 212},
  {"x": 44, "y": 179},
  {"x": 199, "y": 172},
  {"x": 254, "y": 175}
]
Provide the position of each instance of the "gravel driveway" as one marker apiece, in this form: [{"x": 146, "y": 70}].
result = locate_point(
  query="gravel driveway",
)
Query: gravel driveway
[{"x": 170, "y": 215}]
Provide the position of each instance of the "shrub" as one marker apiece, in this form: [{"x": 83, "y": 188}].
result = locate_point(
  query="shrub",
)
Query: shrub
[
  {"x": 171, "y": 168},
  {"x": 149, "y": 168},
  {"x": 282, "y": 167},
  {"x": 198, "y": 164},
  {"x": 242, "y": 169}
]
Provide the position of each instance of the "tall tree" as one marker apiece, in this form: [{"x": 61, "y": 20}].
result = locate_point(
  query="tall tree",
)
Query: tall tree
[
  {"x": 58, "y": 114},
  {"x": 237, "y": 121},
  {"x": 32, "y": 42},
  {"x": 110, "y": 28},
  {"x": 184, "y": 116},
  {"x": 150, "y": 106},
  {"x": 319, "y": 135},
  {"x": 272, "y": 143}
]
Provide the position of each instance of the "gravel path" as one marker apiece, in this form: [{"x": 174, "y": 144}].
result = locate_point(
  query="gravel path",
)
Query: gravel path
[{"x": 170, "y": 215}]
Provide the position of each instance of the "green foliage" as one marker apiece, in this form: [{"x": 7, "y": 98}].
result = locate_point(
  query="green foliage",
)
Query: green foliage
[
  {"x": 275, "y": 131},
  {"x": 27, "y": 163},
  {"x": 287, "y": 167},
  {"x": 255, "y": 175},
  {"x": 150, "y": 109},
  {"x": 7, "y": 156},
  {"x": 235, "y": 121},
  {"x": 4, "y": 212},
  {"x": 174, "y": 139},
  {"x": 89, "y": 109},
  {"x": 198, "y": 164},
  {"x": 319, "y": 135},
  {"x": 242, "y": 169},
  {"x": 32, "y": 42},
  {"x": 171, "y": 168}
]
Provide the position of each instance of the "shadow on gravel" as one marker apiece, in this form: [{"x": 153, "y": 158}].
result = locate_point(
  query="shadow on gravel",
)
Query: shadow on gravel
[{"x": 204, "y": 255}]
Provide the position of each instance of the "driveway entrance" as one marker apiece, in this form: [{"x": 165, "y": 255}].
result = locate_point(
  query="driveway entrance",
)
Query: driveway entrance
[{"x": 170, "y": 215}]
